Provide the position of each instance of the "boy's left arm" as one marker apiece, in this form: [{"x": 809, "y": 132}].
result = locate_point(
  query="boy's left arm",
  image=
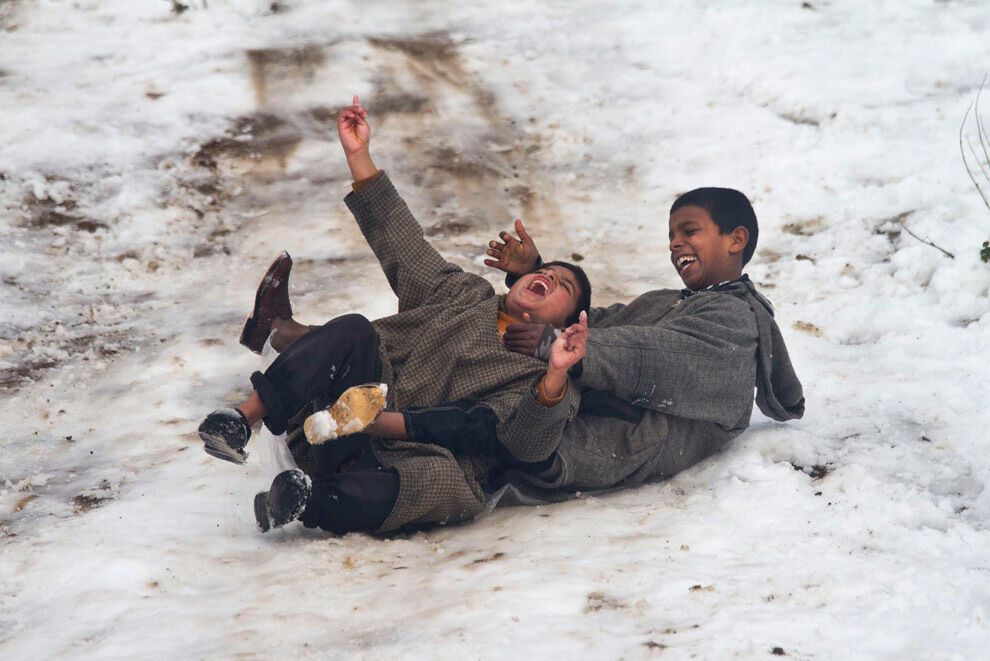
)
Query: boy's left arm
[
  {"x": 531, "y": 433},
  {"x": 700, "y": 364}
]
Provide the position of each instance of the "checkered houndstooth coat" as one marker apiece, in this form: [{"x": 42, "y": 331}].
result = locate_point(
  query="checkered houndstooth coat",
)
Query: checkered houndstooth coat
[{"x": 443, "y": 346}]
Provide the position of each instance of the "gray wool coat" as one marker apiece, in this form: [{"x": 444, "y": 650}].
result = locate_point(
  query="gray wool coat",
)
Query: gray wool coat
[
  {"x": 666, "y": 382},
  {"x": 442, "y": 346}
]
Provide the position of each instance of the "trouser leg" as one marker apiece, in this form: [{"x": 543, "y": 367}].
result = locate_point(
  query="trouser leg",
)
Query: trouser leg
[
  {"x": 314, "y": 370},
  {"x": 354, "y": 501}
]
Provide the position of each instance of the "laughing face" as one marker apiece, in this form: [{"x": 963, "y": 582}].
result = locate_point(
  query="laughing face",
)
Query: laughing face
[
  {"x": 701, "y": 254},
  {"x": 549, "y": 295}
]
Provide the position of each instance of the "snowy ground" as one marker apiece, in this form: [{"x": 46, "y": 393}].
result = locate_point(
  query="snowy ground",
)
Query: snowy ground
[{"x": 153, "y": 161}]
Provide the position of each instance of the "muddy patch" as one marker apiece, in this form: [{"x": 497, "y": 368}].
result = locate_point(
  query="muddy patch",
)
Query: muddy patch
[
  {"x": 449, "y": 226},
  {"x": 254, "y": 140},
  {"x": 472, "y": 169},
  {"x": 807, "y": 227},
  {"x": 597, "y": 601},
  {"x": 12, "y": 378},
  {"x": 428, "y": 47},
  {"x": 47, "y": 213},
  {"x": 815, "y": 471},
  {"x": 98, "y": 496},
  {"x": 272, "y": 68},
  {"x": 42, "y": 350},
  {"x": 807, "y": 327}
]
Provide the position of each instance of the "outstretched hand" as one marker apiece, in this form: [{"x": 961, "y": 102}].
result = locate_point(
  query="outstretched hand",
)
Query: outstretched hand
[
  {"x": 514, "y": 256},
  {"x": 570, "y": 347},
  {"x": 353, "y": 128}
]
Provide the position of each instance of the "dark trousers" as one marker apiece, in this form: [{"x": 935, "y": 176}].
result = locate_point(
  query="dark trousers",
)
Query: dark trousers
[{"x": 352, "y": 491}]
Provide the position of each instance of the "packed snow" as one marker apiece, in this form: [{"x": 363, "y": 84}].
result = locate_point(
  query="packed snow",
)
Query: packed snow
[{"x": 155, "y": 156}]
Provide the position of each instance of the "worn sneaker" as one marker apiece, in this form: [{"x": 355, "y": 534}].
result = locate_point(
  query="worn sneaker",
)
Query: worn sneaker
[
  {"x": 270, "y": 301},
  {"x": 225, "y": 432},
  {"x": 284, "y": 502},
  {"x": 351, "y": 413}
]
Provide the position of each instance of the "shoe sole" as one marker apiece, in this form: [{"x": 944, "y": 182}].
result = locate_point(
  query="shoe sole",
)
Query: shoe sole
[
  {"x": 216, "y": 446},
  {"x": 261, "y": 511},
  {"x": 353, "y": 411}
]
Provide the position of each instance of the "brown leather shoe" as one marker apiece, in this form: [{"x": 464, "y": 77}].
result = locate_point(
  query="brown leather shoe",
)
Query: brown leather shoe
[{"x": 272, "y": 300}]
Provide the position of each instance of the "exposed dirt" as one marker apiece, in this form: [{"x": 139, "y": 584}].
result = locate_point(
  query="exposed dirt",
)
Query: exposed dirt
[
  {"x": 49, "y": 347},
  {"x": 815, "y": 472},
  {"x": 40, "y": 214},
  {"x": 271, "y": 66},
  {"x": 804, "y": 227},
  {"x": 93, "y": 498},
  {"x": 807, "y": 327},
  {"x": 252, "y": 140},
  {"x": 600, "y": 601},
  {"x": 15, "y": 377}
]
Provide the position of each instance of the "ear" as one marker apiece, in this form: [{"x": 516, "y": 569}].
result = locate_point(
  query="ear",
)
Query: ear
[{"x": 738, "y": 238}]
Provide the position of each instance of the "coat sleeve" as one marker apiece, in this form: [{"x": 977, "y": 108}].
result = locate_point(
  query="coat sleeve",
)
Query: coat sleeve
[
  {"x": 415, "y": 270},
  {"x": 700, "y": 364},
  {"x": 531, "y": 432},
  {"x": 598, "y": 315}
]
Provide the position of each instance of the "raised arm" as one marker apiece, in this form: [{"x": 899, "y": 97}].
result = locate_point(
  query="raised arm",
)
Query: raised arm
[{"x": 415, "y": 270}]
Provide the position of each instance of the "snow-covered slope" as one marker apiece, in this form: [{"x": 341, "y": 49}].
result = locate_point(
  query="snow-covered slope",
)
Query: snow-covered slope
[{"x": 153, "y": 159}]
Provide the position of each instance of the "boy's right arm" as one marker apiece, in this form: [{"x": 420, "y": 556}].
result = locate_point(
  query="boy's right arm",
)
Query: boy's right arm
[{"x": 414, "y": 269}]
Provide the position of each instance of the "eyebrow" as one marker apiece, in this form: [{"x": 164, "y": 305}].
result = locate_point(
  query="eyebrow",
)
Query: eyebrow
[{"x": 681, "y": 225}]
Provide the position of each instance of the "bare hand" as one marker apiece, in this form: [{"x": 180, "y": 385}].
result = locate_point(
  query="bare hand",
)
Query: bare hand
[
  {"x": 353, "y": 128},
  {"x": 570, "y": 347},
  {"x": 526, "y": 337},
  {"x": 514, "y": 256}
]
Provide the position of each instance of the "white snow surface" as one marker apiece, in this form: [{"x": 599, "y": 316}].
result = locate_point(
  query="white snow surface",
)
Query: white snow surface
[{"x": 152, "y": 163}]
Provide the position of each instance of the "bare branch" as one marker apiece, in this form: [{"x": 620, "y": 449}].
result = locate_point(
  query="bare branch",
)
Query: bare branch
[
  {"x": 980, "y": 131},
  {"x": 929, "y": 243},
  {"x": 984, "y": 170}
]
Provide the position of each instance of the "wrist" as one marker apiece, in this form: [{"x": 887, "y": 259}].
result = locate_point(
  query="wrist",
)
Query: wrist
[
  {"x": 551, "y": 388},
  {"x": 555, "y": 379},
  {"x": 361, "y": 165}
]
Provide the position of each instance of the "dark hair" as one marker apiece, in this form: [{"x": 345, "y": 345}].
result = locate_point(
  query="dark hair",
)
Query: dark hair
[
  {"x": 728, "y": 208},
  {"x": 584, "y": 300}
]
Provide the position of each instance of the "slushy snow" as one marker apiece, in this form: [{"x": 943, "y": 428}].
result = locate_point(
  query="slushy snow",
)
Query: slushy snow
[
  {"x": 324, "y": 427},
  {"x": 156, "y": 156}
]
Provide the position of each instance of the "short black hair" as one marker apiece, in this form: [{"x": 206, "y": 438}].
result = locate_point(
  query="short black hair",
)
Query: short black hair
[
  {"x": 584, "y": 300},
  {"x": 728, "y": 208}
]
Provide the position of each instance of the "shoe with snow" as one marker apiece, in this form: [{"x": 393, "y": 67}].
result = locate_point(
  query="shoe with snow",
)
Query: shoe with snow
[
  {"x": 270, "y": 301},
  {"x": 351, "y": 413},
  {"x": 225, "y": 432},
  {"x": 284, "y": 502}
]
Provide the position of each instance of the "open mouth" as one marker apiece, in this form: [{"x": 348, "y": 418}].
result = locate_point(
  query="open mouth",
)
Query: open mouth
[
  {"x": 539, "y": 285},
  {"x": 684, "y": 262}
]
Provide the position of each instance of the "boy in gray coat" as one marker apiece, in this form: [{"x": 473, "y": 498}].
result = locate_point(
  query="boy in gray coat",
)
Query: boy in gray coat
[{"x": 668, "y": 379}]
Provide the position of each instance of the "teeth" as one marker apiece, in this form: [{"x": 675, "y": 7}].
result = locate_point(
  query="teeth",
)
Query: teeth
[{"x": 685, "y": 260}]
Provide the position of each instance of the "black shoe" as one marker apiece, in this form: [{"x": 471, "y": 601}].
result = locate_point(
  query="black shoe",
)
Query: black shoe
[
  {"x": 225, "y": 433},
  {"x": 285, "y": 501},
  {"x": 270, "y": 301}
]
